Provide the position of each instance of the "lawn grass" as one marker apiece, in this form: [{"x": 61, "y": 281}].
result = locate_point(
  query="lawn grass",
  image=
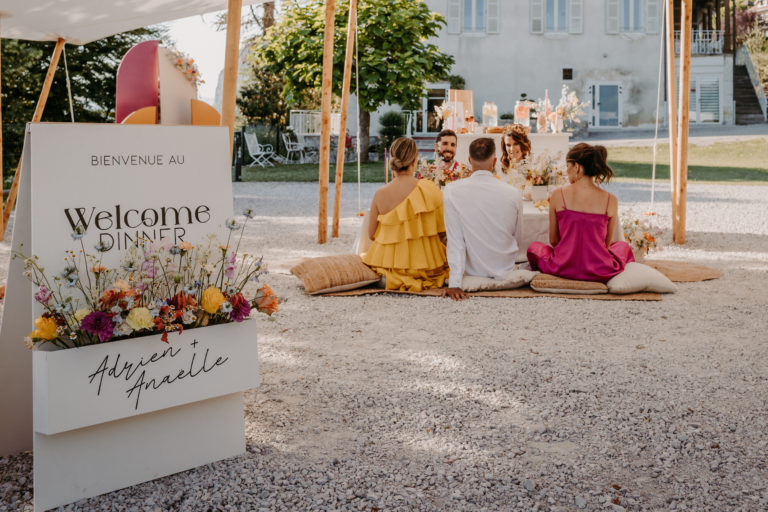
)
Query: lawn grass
[
  {"x": 723, "y": 161},
  {"x": 370, "y": 172}
]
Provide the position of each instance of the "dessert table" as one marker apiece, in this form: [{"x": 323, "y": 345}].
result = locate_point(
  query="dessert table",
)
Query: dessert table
[{"x": 556, "y": 144}]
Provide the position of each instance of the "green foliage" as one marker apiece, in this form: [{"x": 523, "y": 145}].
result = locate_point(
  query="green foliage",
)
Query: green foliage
[
  {"x": 92, "y": 71},
  {"x": 457, "y": 82},
  {"x": 395, "y": 59},
  {"x": 261, "y": 99},
  {"x": 757, "y": 44},
  {"x": 392, "y": 126}
]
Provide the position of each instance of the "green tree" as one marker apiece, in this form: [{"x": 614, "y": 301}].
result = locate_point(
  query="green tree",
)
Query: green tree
[
  {"x": 261, "y": 101},
  {"x": 396, "y": 61},
  {"x": 92, "y": 72}
]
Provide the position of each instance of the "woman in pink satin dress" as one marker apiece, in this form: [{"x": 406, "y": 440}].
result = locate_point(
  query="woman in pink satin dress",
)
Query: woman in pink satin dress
[{"x": 582, "y": 218}]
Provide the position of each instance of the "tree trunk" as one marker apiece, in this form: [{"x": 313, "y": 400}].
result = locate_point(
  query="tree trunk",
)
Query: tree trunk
[
  {"x": 268, "y": 19},
  {"x": 365, "y": 134}
]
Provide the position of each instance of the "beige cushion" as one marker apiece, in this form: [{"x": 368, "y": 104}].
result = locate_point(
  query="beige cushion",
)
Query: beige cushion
[
  {"x": 637, "y": 277},
  {"x": 546, "y": 283},
  {"x": 330, "y": 274},
  {"x": 514, "y": 279}
]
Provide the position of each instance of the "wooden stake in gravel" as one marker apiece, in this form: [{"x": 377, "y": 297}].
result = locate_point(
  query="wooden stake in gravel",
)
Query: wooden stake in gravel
[
  {"x": 671, "y": 103},
  {"x": 231, "y": 62},
  {"x": 325, "y": 123},
  {"x": 686, "y": 21},
  {"x": 352, "y": 24}
]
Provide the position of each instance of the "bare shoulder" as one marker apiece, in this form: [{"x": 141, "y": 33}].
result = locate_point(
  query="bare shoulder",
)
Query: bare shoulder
[{"x": 556, "y": 198}]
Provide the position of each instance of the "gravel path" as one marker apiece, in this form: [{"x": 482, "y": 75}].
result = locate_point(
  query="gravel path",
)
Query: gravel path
[{"x": 419, "y": 403}]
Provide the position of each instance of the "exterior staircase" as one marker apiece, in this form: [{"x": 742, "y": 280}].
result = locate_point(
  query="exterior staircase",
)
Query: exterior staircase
[
  {"x": 426, "y": 145},
  {"x": 747, "y": 107}
]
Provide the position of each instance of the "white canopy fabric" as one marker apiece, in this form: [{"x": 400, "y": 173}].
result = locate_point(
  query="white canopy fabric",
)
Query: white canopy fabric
[{"x": 83, "y": 21}]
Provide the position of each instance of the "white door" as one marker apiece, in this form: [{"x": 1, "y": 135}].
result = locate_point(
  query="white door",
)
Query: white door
[
  {"x": 605, "y": 105},
  {"x": 426, "y": 120},
  {"x": 705, "y": 99}
]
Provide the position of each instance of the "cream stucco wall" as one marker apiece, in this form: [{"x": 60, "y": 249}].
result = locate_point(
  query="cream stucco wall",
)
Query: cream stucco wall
[{"x": 499, "y": 67}]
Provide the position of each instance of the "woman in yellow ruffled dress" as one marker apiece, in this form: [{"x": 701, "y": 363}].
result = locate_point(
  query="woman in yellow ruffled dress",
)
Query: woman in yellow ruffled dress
[{"x": 407, "y": 226}]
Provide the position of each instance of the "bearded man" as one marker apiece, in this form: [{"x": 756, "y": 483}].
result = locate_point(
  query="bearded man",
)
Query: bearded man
[{"x": 445, "y": 168}]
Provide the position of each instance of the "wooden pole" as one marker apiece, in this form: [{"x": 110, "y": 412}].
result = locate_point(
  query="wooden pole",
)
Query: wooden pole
[
  {"x": 344, "y": 108},
  {"x": 682, "y": 146},
  {"x": 727, "y": 34},
  {"x": 325, "y": 122},
  {"x": 35, "y": 119},
  {"x": 671, "y": 101},
  {"x": 717, "y": 15},
  {"x": 231, "y": 62}
]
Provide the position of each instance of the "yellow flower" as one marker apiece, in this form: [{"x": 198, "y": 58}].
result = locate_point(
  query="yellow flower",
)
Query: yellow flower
[
  {"x": 122, "y": 285},
  {"x": 81, "y": 313},
  {"x": 212, "y": 300},
  {"x": 45, "y": 328},
  {"x": 140, "y": 318},
  {"x": 185, "y": 246}
]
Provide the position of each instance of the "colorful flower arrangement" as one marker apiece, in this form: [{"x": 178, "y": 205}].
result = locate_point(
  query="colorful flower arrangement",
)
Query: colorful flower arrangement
[
  {"x": 157, "y": 289},
  {"x": 440, "y": 175},
  {"x": 641, "y": 234},
  {"x": 540, "y": 169},
  {"x": 186, "y": 65}
]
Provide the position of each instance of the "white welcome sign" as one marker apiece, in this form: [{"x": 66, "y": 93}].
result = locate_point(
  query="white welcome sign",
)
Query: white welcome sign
[
  {"x": 124, "y": 183},
  {"x": 159, "y": 408}
]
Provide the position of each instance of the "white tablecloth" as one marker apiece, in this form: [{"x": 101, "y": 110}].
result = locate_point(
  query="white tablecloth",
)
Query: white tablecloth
[
  {"x": 554, "y": 144},
  {"x": 535, "y": 229}
]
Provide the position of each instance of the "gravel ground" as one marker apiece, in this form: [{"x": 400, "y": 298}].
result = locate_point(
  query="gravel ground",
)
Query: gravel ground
[{"x": 420, "y": 403}]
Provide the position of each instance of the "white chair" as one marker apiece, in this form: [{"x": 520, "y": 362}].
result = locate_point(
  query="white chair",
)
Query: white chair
[
  {"x": 293, "y": 148},
  {"x": 311, "y": 153},
  {"x": 262, "y": 154}
]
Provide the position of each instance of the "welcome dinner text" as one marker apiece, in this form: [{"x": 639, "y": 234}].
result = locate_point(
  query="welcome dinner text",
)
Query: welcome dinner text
[{"x": 122, "y": 227}]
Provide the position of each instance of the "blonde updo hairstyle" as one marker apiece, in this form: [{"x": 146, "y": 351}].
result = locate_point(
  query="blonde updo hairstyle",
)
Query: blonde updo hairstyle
[{"x": 403, "y": 153}]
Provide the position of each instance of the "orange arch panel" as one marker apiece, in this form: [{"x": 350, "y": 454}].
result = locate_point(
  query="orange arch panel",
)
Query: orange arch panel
[
  {"x": 146, "y": 115},
  {"x": 203, "y": 114}
]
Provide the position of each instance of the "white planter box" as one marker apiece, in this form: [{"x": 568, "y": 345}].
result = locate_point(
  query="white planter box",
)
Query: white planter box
[
  {"x": 88, "y": 410},
  {"x": 86, "y": 386}
]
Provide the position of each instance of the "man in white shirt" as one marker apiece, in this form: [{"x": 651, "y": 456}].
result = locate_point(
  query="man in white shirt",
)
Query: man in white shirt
[{"x": 483, "y": 220}]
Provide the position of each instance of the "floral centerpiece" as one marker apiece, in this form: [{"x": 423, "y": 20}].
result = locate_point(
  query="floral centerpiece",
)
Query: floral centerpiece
[
  {"x": 641, "y": 234},
  {"x": 441, "y": 175},
  {"x": 540, "y": 169},
  {"x": 157, "y": 289},
  {"x": 186, "y": 65},
  {"x": 570, "y": 109}
]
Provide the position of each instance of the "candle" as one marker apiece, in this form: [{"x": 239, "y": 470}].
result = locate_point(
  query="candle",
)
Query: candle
[{"x": 386, "y": 166}]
